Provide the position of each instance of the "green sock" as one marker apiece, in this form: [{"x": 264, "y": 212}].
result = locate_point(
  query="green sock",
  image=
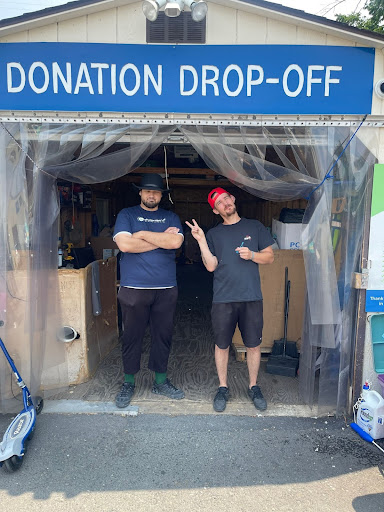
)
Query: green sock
[
  {"x": 129, "y": 377},
  {"x": 160, "y": 378}
]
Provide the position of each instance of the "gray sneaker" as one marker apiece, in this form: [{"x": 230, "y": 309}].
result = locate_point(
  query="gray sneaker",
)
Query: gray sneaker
[
  {"x": 168, "y": 389},
  {"x": 257, "y": 398},
  {"x": 123, "y": 398},
  {"x": 221, "y": 399}
]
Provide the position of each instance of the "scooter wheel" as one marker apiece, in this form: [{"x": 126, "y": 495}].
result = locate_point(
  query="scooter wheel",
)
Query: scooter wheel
[
  {"x": 39, "y": 404},
  {"x": 13, "y": 463}
]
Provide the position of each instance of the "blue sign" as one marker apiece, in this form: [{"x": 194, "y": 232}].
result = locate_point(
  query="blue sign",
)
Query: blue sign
[
  {"x": 374, "y": 302},
  {"x": 238, "y": 79}
]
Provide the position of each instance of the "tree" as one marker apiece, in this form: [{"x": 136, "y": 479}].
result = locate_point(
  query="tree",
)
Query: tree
[{"x": 373, "y": 22}]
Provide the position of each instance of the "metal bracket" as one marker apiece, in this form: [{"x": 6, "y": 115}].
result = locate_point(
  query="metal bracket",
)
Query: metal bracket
[{"x": 360, "y": 280}]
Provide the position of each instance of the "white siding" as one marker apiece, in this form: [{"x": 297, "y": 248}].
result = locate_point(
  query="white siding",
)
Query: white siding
[
  {"x": 74, "y": 30},
  {"x": 305, "y": 36},
  {"x": 131, "y": 24},
  {"x": 221, "y": 25},
  {"x": 101, "y": 27},
  {"x": 47, "y": 34},
  {"x": 251, "y": 29}
]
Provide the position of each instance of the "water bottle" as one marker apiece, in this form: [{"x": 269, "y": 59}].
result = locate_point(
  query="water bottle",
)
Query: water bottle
[{"x": 60, "y": 257}]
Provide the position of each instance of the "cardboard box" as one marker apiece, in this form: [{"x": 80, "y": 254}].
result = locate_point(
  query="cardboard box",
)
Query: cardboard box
[
  {"x": 272, "y": 286},
  {"x": 288, "y": 236}
]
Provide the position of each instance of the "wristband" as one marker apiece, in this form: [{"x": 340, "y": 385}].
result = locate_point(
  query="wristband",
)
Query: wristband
[{"x": 251, "y": 255}]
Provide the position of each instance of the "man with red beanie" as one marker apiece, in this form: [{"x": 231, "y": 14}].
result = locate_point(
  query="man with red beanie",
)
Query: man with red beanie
[{"x": 233, "y": 250}]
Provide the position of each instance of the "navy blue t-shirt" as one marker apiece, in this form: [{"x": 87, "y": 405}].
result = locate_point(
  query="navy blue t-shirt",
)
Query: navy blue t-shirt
[
  {"x": 152, "y": 269},
  {"x": 235, "y": 279}
]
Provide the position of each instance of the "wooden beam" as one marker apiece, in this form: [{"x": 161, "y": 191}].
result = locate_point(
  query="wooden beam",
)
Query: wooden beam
[{"x": 175, "y": 170}]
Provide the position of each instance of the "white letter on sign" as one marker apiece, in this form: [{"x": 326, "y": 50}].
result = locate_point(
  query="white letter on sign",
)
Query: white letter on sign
[
  {"x": 148, "y": 75},
  {"x": 251, "y": 82},
  {"x": 83, "y": 70},
  {"x": 328, "y": 79},
  {"x": 210, "y": 81},
  {"x": 239, "y": 72},
  {"x": 57, "y": 73},
  {"x": 122, "y": 83},
  {"x": 312, "y": 80},
  {"x": 183, "y": 92},
  {"x": 19, "y": 87},
  {"x": 293, "y": 67},
  {"x": 38, "y": 90}
]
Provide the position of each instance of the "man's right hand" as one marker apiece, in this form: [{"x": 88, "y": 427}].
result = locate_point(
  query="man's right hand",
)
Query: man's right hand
[{"x": 197, "y": 232}]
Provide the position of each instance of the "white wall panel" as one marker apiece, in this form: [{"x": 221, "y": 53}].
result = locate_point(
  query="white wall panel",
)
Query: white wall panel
[
  {"x": 338, "y": 41},
  {"x": 19, "y": 37},
  {"x": 131, "y": 24},
  {"x": 251, "y": 29},
  {"x": 305, "y": 36},
  {"x": 46, "y": 34},
  {"x": 280, "y": 33},
  {"x": 101, "y": 27},
  {"x": 73, "y": 31},
  {"x": 221, "y": 25}
]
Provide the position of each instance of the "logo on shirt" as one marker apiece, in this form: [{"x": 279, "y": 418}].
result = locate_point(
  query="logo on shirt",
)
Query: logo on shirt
[{"x": 142, "y": 219}]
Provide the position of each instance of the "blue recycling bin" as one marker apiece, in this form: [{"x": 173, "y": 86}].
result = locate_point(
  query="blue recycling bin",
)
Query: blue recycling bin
[{"x": 377, "y": 336}]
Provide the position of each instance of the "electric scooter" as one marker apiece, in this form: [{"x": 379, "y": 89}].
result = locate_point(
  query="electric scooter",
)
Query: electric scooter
[{"x": 17, "y": 436}]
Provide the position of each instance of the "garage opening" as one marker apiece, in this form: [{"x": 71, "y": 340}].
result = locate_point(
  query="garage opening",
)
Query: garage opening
[{"x": 323, "y": 169}]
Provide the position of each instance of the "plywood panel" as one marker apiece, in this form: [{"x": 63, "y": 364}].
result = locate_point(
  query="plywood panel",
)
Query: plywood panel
[{"x": 272, "y": 285}]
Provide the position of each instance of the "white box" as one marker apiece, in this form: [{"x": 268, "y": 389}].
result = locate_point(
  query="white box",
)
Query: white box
[{"x": 288, "y": 235}]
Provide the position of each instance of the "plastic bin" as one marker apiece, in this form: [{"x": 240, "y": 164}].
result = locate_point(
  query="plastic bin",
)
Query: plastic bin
[
  {"x": 377, "y": 334},
  {"x": 381, "y": 382}
]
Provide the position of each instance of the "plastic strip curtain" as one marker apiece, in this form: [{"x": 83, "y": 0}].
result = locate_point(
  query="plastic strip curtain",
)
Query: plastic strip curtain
[
  {"x": 29, "y": 287},
  {"x": 284, "y": 163},
  {"x": 330, "y": 347}
]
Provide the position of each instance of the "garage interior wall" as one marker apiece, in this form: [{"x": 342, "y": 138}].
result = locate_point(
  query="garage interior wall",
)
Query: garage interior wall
[{"x": 324, "y": 164}]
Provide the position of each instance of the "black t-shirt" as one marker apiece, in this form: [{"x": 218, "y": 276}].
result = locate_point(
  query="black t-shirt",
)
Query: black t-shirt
[{"x": 235, "y": 279}]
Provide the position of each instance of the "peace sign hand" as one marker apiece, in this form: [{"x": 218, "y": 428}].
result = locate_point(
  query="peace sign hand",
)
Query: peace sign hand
[{"x": 197, "y": 232}]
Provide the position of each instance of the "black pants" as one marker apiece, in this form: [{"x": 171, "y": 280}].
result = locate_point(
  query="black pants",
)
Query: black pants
[{"x": 140, "y": 307}]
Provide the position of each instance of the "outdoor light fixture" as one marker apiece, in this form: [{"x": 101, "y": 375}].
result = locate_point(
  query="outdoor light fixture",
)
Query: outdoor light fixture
[
  {"x": 151, "y": 8},
  {"x": 174, "y": 8},
  {"x": 198, "y": 9}
]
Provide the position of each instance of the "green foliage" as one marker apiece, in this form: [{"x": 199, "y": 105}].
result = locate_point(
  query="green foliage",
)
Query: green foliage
[{"x": 373, "y": 22}]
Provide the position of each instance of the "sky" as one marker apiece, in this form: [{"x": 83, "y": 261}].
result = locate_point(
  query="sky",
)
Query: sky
[{"x": 11, "y": 8}]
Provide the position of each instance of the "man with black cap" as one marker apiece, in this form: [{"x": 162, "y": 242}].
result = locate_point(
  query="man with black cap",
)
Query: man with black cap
[
  {"x": 234, "y": 250},
  {"x": 148, "y": 237}
]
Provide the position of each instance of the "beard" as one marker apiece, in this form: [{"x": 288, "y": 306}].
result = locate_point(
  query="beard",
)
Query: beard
[
  {"x": 150, "y": 203},
  {"x": 230, "y": 210}
]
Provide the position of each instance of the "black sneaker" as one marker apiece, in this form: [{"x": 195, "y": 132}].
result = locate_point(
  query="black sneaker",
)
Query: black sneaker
[
  {"x": 123, "y": 398},
  {"x": 221, "y": 399},
  {"x": 257, "y": 398},
  {"x": 168, "y": 389}
]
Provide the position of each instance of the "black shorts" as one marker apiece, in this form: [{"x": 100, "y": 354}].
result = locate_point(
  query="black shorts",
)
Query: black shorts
[{"x": 249, "y": 317}]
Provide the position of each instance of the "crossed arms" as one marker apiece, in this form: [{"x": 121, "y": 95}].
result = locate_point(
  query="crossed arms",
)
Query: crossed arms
[{"x": 144, "y": 241}]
